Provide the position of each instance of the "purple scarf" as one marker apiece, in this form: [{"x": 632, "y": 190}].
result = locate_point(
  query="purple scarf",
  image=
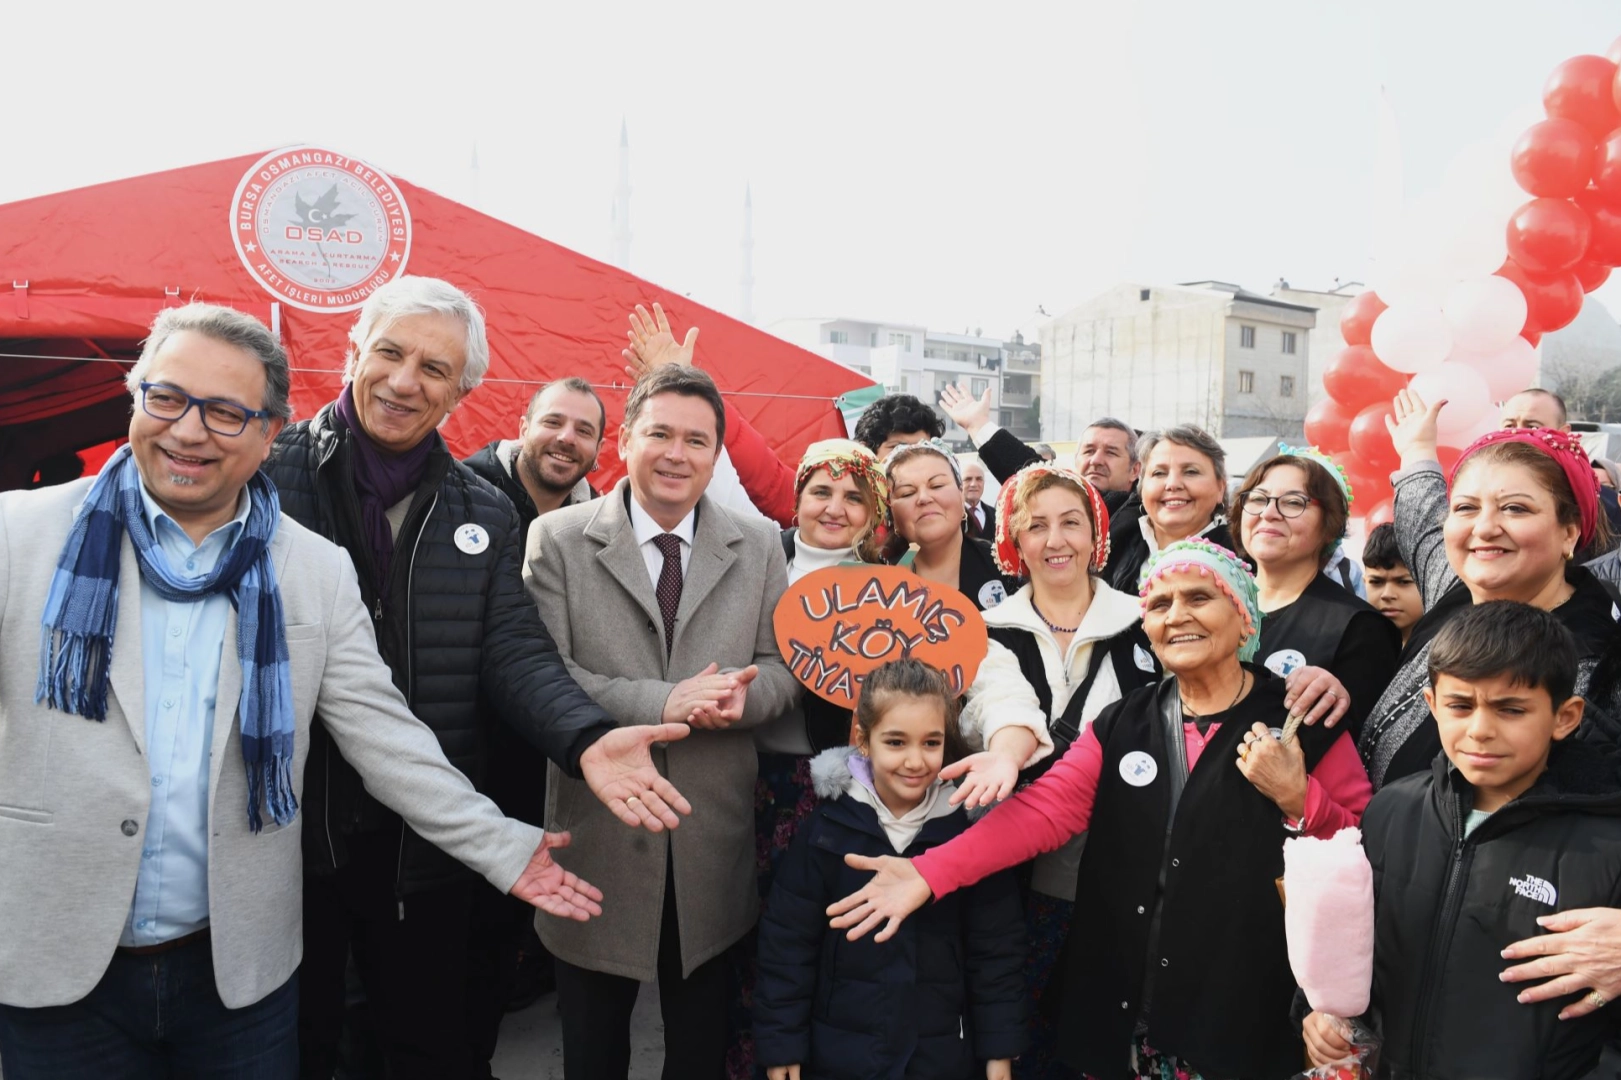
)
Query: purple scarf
[{"x": 381, "y": 480}]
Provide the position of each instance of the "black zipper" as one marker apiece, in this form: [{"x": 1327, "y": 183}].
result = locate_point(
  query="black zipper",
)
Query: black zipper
[
  {"x": 1440, "y": 933},
  {"x": 410, "y": 679}
]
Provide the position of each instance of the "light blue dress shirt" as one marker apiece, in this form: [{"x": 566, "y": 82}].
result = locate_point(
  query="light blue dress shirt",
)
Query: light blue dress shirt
[{"x": 181, "y": 646}]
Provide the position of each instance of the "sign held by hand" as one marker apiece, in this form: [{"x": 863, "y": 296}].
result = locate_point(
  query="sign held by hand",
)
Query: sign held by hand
[{"x": 835, "y": 625}]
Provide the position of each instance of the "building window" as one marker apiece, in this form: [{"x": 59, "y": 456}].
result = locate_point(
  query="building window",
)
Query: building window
[
  {"x": 1144, "y": 294},
  {"x": 1289, "y": 342},
  {"x": 903, "y": 340},
  {"x": 1246, "y": 380},
  {"x": 1246, "y": 337},
  {"x": 1286, "y": 383},
  {"x": 979, "y": 386},
  {"x": 838, "y": 337}
]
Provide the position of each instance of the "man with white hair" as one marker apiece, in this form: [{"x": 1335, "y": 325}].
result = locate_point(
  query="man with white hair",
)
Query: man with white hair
[{"x": 438, "y": 553}]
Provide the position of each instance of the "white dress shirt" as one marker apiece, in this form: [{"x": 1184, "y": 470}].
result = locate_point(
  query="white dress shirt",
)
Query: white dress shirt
[{"x": 646, "y": 529}]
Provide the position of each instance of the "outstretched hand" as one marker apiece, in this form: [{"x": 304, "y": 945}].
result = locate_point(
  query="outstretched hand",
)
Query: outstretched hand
[
  {"x": 653, "y": 344},
  {"x": 970, "y": 413},
  {"x": 988, "y": 778},
  {"x": 894, "y": 892},
  {"x": 619, "y": 770},
  {"x": 1413, "y": 431},
  {"x": 554, "y": 890}
]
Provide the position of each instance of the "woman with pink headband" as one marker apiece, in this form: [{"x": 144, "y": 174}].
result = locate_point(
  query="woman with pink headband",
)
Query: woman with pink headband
[{"x": 1505, "y": 525}]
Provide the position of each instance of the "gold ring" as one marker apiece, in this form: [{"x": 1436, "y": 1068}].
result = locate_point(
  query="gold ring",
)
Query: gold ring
[
  {"x": 632, "y": 799},
  {"x": 1597, "y": 999}
]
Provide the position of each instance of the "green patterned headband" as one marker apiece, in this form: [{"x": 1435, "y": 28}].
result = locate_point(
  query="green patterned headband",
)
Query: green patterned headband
[{"x": 1311, "y": 453}]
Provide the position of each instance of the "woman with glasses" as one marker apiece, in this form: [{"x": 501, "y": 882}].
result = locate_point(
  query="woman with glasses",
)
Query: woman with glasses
[{"x": 1292, "y": 511}]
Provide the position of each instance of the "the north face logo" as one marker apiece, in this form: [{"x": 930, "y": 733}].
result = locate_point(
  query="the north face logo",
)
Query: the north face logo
[{"x": 1534, "y": 888}]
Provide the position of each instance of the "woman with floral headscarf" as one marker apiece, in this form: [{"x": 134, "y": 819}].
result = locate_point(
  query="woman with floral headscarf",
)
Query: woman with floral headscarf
[
  {"x": 928, "y": 510},
  {"x": 1063, "y": 647},
  {"x": 1504, "y": 525},
  {"x": 1176, "y": 963},
  {"x": 1291, "y": 511}
]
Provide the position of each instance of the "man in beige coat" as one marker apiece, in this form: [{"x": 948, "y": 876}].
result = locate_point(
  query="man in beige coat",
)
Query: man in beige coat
[{"x": 661, "y": 603}]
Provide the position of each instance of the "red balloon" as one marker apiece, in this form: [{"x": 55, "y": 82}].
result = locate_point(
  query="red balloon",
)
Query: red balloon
[
  {"x": 1356, "y": 319},
  {"x": 1448, "y": 457},
  {"x": 1370, "y": 439},
  {"x": 1604, "y": 223},
  {"x": 1369, "y": 485},
  {"x": 1328, "y": 426},
  {"x": 1548, "y": 236},
  {"x": 1554, "y": 158},
  {"x": 1532, "y": 336},
  {"x": 1552, "y": 301},
  {"x": 1591, "y": 274},
  {"x": 1583, "y": 89},
  {"x": 1356, "y": 379},
  {"x": 1607, "y": 167},
  {"x": 1383, "y": 514}
]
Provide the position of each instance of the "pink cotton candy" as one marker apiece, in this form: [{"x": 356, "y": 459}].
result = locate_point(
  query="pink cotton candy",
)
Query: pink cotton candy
[{"x": 1328, "y": 918}]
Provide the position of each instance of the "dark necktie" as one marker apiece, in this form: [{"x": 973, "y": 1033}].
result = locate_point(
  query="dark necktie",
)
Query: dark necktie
[{"x": 669, "y": 587}]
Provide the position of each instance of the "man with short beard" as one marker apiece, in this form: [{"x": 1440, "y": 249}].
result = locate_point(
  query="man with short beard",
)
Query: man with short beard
[{"x": 543, "y": 469}]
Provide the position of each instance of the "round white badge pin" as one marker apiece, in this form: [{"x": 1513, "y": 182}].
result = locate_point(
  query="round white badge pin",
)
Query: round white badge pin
[
  {"x": 472, "y": 539},
  {"x": 1284, "y": 661},
  {"x": 1138, "y": 769},
  {"x": 991, "y": 593}
]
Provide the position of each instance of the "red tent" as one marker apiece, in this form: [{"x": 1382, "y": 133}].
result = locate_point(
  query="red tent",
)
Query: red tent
[{"x": 90, "y": 268}]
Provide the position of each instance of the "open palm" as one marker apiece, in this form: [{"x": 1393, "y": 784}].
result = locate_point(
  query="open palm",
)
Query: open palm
[
  {"x": 619, "y": 770},
  {"x": 554, "y": 890},
  {"x": 653, "y": 344}
]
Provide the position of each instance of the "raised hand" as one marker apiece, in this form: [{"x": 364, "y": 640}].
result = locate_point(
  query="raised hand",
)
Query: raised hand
[
  {"x": 619, "y": 770},
  {"x": 1413, "y": 431},
  {"x": 652, "y": 343},
  {"x": 895, "y": 891},
  {"x": 988, "y": 778},
  {"x": 970, "y": 413},
  {"x": 554, "y": 890}
]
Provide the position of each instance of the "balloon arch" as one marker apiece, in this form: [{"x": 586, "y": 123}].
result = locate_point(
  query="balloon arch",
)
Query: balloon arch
[{"x": 1460, "y": 303}]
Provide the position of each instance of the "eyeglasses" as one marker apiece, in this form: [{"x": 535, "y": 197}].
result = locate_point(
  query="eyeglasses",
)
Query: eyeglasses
[
  {"x": 221, "y": 417},
  {"x": 1290, "y": 506}
]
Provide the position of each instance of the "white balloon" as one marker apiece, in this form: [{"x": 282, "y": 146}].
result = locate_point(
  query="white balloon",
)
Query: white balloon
[
  {"x": 1465, "y": 393},
  {"x": 1411, "y": 338},
  {"x": 1484, "y": 313},
  {"x": 1507, "y": 369}
]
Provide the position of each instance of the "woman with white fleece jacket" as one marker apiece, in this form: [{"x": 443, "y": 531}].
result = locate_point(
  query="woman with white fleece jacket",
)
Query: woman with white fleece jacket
[{"x": 1063, "y": 647}]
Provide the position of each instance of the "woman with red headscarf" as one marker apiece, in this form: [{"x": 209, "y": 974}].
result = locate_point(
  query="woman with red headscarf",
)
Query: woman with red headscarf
[{"x": 1504, "y": 525}]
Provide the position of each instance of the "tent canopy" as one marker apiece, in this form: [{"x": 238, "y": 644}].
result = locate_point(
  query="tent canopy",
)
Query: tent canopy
[{"x": 87, "y": 270}]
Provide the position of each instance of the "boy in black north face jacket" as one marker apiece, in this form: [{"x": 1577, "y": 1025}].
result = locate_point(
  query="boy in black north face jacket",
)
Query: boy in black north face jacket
[{"x": 1514, "y": 822}]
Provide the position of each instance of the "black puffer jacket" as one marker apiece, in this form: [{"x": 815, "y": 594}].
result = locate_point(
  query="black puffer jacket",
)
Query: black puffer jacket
[
  {"x": 943, "y": 995},
  {"x": 1447, "y": 905},
  {"x": 463, "y": 639}
]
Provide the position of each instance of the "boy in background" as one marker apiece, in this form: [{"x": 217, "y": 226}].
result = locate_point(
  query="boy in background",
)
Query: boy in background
[{"x": 1390, "y": 584}]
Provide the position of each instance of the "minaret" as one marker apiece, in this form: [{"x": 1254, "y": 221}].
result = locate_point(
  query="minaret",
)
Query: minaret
[
  {"x": 621, "y": 208},
  {"x": 745, "y": 307}
]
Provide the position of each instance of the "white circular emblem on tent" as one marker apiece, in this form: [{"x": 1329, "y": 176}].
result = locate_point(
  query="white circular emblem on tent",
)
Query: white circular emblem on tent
[
  {"x": 1284, "y": 661},
  {"x": 991, "y": 593},
  {"x": 320, "y": 230},
  {"x": 1138, "y": 769},
  {"x": 471, "y": 539}
]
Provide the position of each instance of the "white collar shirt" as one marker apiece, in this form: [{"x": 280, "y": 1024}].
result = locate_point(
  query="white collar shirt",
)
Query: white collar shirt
[{"x": 647, "y": 529}]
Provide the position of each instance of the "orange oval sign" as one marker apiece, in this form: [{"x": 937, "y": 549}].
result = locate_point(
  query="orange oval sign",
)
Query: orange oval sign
[{"x": 835, "y": 625}]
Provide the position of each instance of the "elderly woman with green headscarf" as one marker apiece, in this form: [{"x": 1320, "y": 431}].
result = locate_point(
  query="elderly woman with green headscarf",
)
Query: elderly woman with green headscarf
[
  {"x": 1176, "y": 963},
  {"x": 1291, "y": 512}
]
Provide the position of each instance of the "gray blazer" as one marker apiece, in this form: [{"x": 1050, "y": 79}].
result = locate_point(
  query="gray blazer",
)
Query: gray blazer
[
  {"x": 74, "y": 793},
  {"x": 586, "y": 572}
]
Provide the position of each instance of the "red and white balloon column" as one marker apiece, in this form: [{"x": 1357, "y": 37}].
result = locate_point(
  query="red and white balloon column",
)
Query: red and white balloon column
[{"x": 1459, "y": 308}]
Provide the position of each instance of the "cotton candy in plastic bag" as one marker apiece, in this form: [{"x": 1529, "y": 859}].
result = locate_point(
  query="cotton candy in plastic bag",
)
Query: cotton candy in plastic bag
[{"x": 1328, "y": 918}]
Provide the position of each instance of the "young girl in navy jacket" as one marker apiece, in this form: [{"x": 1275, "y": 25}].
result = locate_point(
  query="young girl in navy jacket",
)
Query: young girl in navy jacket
[{"x": 944, "y": 999}]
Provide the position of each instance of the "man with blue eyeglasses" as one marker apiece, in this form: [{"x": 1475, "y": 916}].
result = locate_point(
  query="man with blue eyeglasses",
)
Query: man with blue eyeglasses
[{"x": 166, "y": 638}]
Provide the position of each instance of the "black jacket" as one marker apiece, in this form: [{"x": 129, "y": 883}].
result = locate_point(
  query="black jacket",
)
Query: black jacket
[
  {"x": 463, "y": 639},
  {"x": 488, "y": 464},
  {"x": 943, "y": 994},
  {"x": 1447, "y": 905}
]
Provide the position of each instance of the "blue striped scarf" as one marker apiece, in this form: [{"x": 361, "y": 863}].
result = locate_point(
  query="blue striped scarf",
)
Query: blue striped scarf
[{"x": 81, "y": 614}]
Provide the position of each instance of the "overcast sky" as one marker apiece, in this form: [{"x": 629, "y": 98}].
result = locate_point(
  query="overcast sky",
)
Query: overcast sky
[{"x": 953, "y": 165}]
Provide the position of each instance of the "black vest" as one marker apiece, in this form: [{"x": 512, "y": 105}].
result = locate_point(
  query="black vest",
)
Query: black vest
[
  {"x": 1311, "y": 626},
  {"x": 1120, "y": 651},
  {"x": 1221, "y": 981}
]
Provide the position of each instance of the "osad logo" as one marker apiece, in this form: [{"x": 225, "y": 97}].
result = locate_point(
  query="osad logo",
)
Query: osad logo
[{"x": 320, "y": 230}]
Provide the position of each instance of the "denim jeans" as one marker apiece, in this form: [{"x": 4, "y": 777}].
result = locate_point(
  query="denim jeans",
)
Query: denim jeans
[{"x": 154, "y": 1018}]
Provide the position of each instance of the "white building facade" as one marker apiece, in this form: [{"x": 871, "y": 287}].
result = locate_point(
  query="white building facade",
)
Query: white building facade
[{"x": 1208, "y": 353}]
